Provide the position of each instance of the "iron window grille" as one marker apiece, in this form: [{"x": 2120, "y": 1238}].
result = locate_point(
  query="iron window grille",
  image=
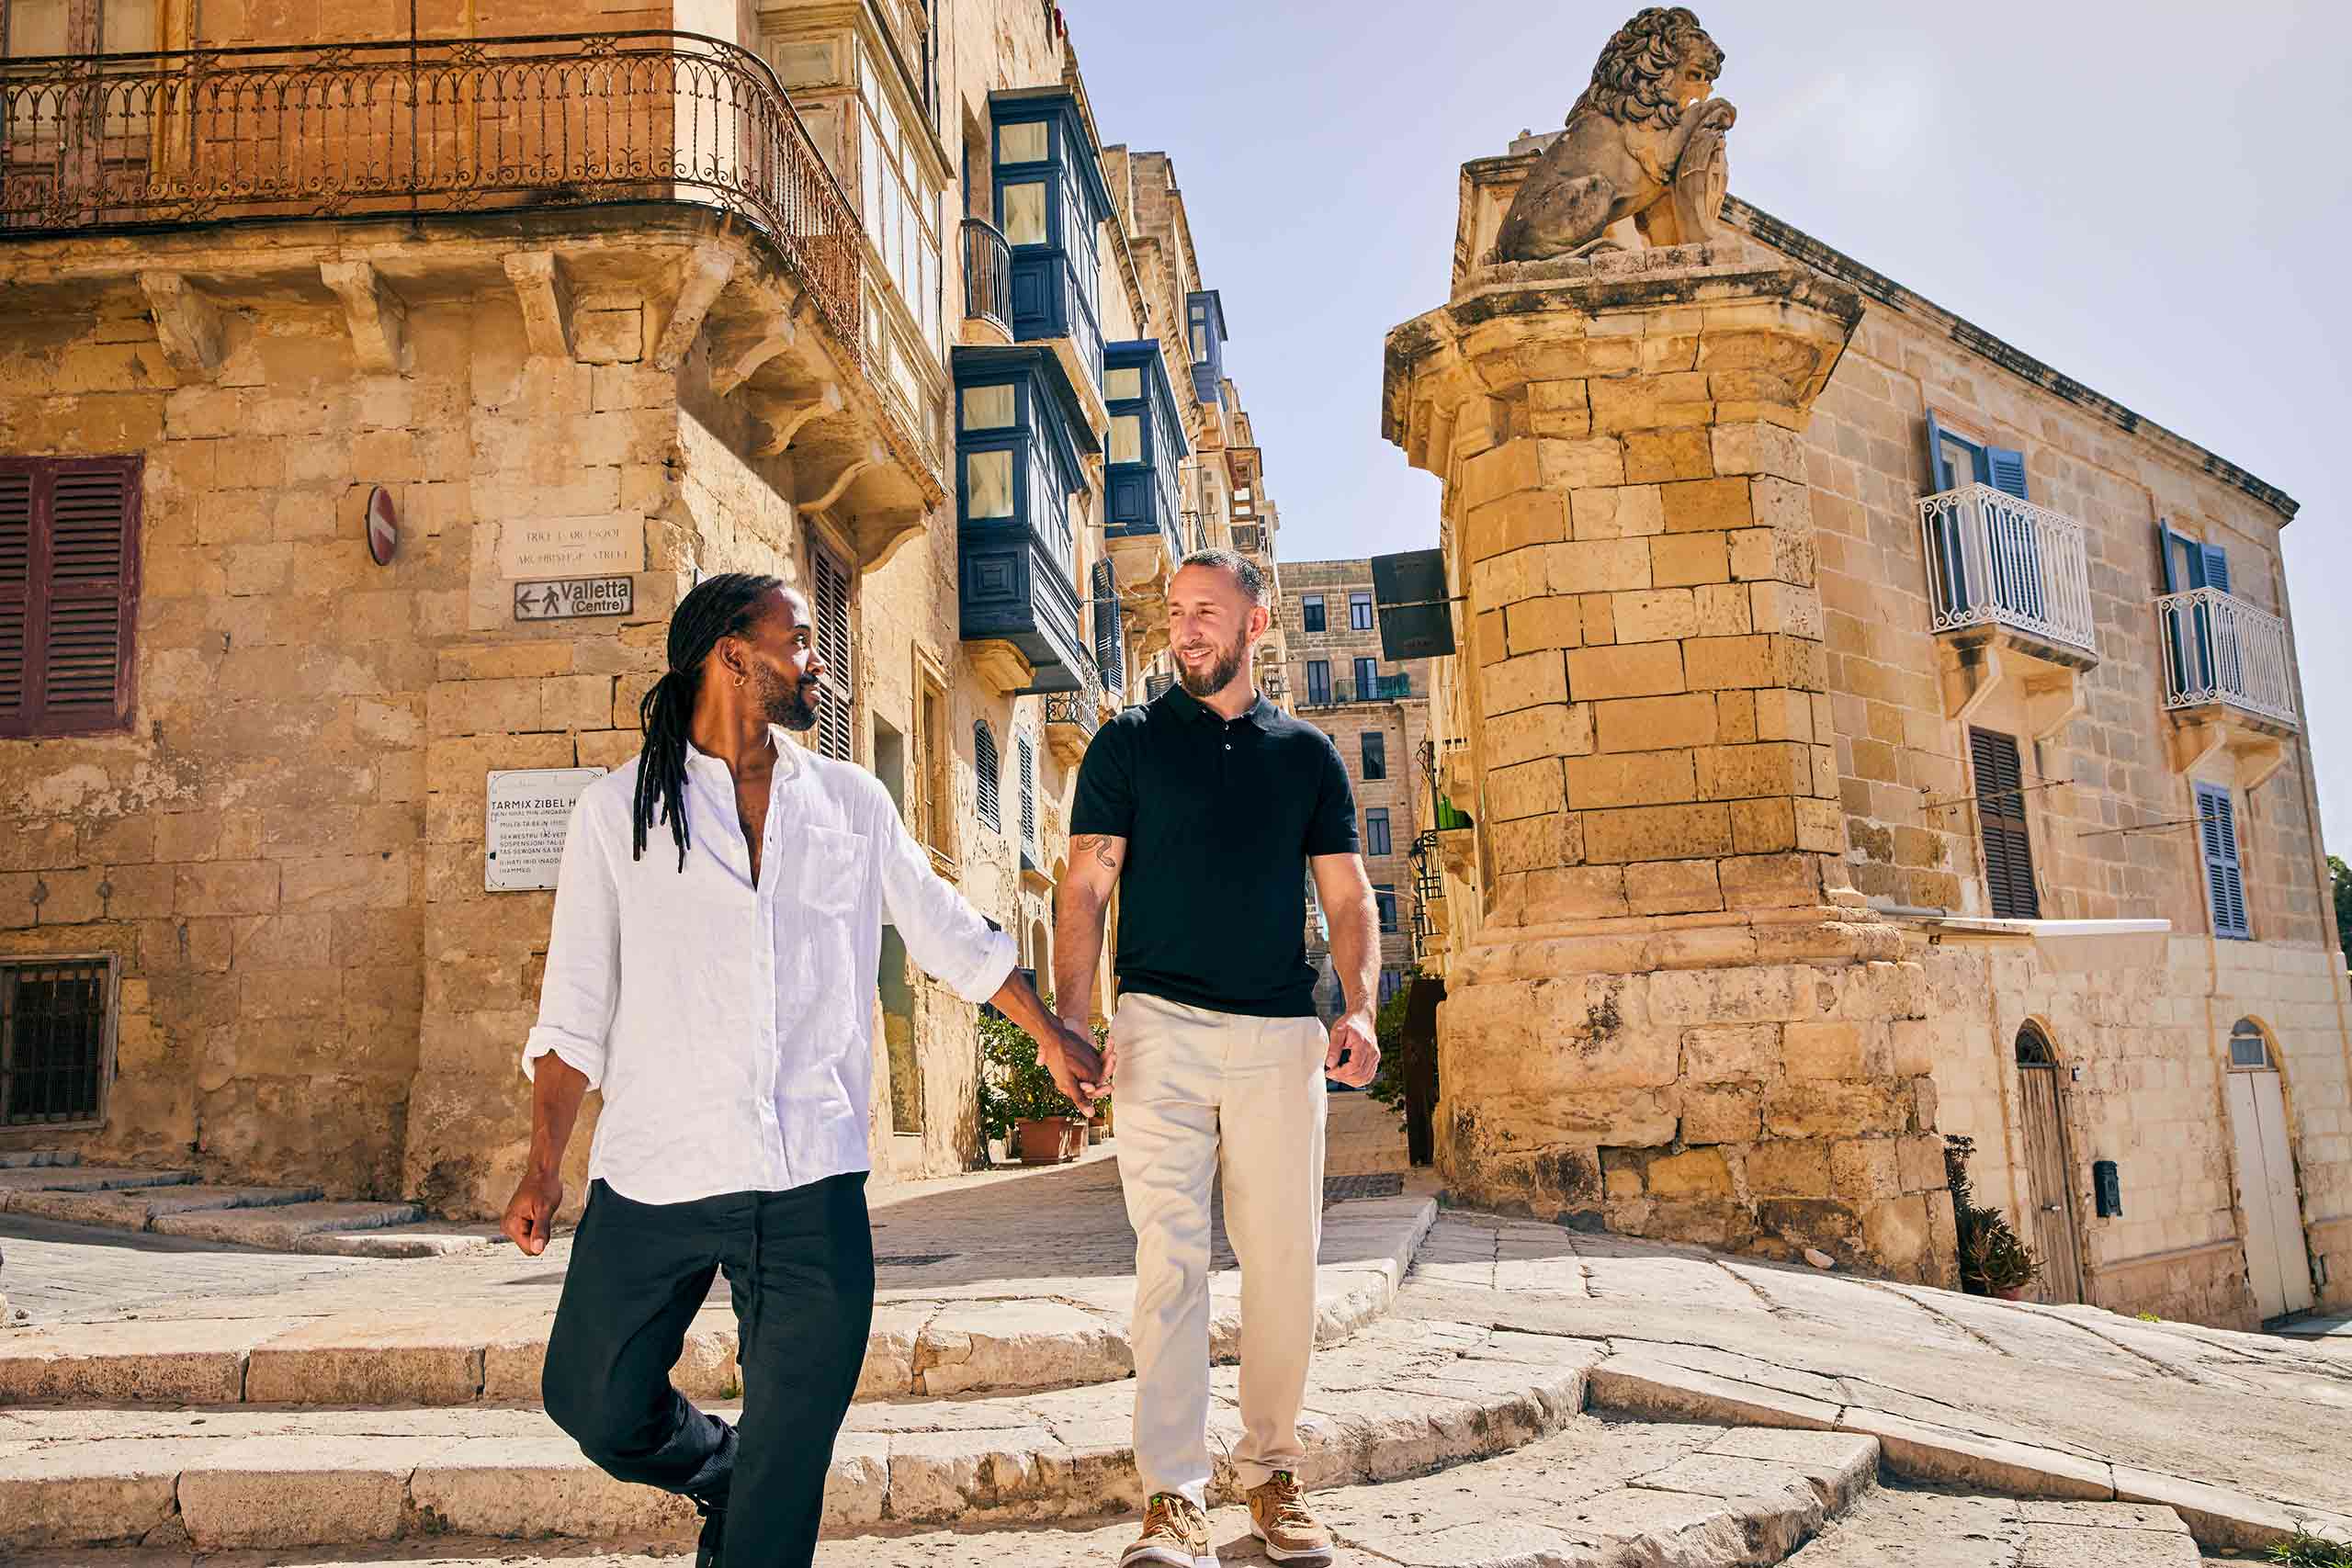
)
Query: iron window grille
[{"x": 56, "y": 1041}]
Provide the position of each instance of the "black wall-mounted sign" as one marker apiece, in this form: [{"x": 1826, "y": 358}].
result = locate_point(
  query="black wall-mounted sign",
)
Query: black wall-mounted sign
[
  {"x": 1408, "y": 595},
  {"x": 2106, "y": 1182}
]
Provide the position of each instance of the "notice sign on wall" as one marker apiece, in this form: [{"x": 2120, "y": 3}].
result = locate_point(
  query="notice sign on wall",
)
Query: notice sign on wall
[{"x": 522, "y": 831}]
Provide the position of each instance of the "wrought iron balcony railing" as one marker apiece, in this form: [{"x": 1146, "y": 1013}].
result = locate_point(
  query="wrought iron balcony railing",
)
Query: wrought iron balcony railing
[
  {"x": 2218, "y": 648},
  {"x": 988, "y": 274},
  {"x": 92, "y": 143},
  {"x": 1081, "y": 710},
  {"x": 1380, "y": 689},
  {"x": 1996, "y": 560}
]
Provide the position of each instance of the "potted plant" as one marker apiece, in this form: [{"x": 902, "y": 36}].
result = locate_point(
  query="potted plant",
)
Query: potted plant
[
  {"x": 1047, "y": 1128},
  {"x": 996, "y": 1119},
  {"x": 1993, "y": 1261}
]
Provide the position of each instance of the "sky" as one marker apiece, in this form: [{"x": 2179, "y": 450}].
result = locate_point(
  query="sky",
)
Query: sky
[{"x": 2153, "y": 197}]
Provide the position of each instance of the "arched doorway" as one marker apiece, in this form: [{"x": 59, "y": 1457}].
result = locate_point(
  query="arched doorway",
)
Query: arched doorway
[
  {"x": 1041, "y": 956},
  {"x": 2277, "y": 1265},
  {"x": 2047, "y": 1167}
]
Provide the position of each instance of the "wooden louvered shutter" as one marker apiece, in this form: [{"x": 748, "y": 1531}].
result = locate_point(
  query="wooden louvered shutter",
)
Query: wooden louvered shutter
[
  {"x": 1110, "y": 642},
  {"x": 1028, "y": 750},
  {"x": 69, "y": 593},
  {"x": 16, "y": 596},
  {"x": 984, "y": 759},
  {"x": 835, "y": 734},
  {"x": 2216, "y": 832},
  {"x": 2000, "y": 810}
]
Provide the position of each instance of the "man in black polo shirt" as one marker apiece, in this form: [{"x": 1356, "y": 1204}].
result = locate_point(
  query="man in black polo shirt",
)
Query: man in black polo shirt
[{"x": 1207, "y": 810}]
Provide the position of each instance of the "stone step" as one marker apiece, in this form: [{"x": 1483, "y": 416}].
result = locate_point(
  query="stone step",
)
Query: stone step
[
  {"x": 1589, "y": 1497},
  {"x": 137, "y": 1208},
  {"x": 1968, "y": 1531},
  {"x": 22, "y": 1160},
  {"x": 421, "y": 1352},
  {"x": 1400, "y": 1401},
  {"x": 24, "y": 1181},
  {"x": 284, "y": 1227}
]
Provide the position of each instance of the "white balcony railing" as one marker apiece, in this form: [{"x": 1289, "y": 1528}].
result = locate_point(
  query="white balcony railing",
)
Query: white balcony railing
[
  {"x": 1996, "y": 560},
  {"x": 2218, "y": 648}
]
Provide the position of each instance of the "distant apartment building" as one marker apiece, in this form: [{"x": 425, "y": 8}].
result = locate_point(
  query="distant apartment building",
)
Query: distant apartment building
[{"x": 1376, "y": 712}]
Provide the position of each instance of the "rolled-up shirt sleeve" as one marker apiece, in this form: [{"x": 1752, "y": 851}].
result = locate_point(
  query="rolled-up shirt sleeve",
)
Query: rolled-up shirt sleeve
[
  {"x": 944, "y": 934},
  {"x": 584, "y": 970}
]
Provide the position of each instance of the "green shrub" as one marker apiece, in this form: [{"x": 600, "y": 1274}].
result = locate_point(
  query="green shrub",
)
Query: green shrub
[
  {"x": 1014, "y": 1085},
  {"x": 2300, "y": 1550},
  {"x": 1992, "y": 1258},
  {"x": 1387, "y": 1085}
]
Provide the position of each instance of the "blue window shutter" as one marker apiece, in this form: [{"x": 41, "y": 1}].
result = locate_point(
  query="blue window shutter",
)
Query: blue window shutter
[
  {"x": 2217, "y": 566},
  {"x": 985, "y": 764},
  {"x": 2225, "y": 876},
  {"x": 1939, "y": 474},
  {"x": 2008, "y": 471},
  {"x": 2167, "y": 541}
]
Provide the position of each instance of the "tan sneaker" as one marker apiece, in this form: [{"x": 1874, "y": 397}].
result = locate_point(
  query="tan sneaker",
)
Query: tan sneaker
[
  {"x": 1174, "y": 1533},
  {"x": 1278, "y": 1516}
]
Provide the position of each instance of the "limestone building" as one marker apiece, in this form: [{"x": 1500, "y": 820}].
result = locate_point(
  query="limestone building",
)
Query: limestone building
[
  {"x": 354, "y": 450},
  {"x": 1376, "y": 711},
  {"x": 1872, "y": 734}
]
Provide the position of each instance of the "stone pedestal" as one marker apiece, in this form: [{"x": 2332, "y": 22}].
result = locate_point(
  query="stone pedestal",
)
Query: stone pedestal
[{"x": 1673, "y": 1015}]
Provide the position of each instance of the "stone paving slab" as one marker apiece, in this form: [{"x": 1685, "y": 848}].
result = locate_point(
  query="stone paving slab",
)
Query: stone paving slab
[
  {"x": 136, "y": 1209},
  {"x": 1392, "y": 1405},
  {"x": 16, "y": 1182},
  {"x": 283, "y": 1227},
  {"x": 1926, "y": 1530},
  {"x": 475, "y": 1326},
  {"x": 20, "y": 1159}
]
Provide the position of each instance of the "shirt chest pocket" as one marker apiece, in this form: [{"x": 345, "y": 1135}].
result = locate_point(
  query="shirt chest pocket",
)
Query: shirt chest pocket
[{"x": 826, "y": 875}]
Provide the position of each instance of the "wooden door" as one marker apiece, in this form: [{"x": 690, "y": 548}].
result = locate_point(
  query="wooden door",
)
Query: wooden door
[
  {"x": 2277, "y": 1265},
  {"x": 2047, "y": 1168}
]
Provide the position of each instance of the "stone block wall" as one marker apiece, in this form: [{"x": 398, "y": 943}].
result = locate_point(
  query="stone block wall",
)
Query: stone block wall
[{"x": 253, "y": 849}]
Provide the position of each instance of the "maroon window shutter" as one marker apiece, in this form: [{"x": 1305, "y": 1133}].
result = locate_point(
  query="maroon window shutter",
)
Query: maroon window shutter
[
  {"x": 16, "y": 593},
  {"x": 66, "y": 634}
]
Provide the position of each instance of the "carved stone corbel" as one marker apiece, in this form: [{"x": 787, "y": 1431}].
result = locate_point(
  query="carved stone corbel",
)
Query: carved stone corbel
[
  {"x": 707, "y": 272},
  {"x": 874, "y": 456},
  {"x": 189, "y": 325},
  {"x": 786, "y": 421},
  {"x": 546, "y": 298},
  {"x": 736, "y": 359},
  {"x": 879, "y": 535},
  {"x": 379, "y": 318}
]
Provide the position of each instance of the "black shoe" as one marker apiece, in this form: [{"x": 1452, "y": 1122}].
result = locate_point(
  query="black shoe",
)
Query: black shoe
[{"x": 714, "y": 1532}]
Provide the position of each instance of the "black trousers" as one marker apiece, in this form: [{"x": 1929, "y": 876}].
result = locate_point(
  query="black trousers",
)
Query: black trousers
[{"x": 800, "y": 1268}]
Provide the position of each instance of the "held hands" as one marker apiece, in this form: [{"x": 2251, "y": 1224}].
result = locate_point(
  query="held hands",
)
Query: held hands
[
  {"x": 1079, "y": 1069},
  {"x": 530, "y": 1215},
  {"x": 1351, "y": 1038}
]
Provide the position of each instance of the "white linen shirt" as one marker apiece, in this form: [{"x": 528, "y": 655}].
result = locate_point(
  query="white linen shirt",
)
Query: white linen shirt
[{"x": 730, "y": 1025}]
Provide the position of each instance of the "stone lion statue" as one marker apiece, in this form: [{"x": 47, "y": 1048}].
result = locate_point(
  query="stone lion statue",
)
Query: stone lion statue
[{"x": 1646, "y": 142}]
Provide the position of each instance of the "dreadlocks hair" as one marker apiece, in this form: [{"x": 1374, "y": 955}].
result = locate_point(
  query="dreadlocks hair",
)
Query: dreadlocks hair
[{"x": 724, "y": 605}]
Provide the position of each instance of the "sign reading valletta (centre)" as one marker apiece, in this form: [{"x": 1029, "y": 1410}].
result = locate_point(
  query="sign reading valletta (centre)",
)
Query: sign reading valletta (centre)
[
  {"x": 573, "y": 597},
  {"x": 525, "y": 813}
]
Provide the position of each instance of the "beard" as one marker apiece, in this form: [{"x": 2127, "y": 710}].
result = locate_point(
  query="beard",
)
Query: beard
[
  {"x": 786, "y": 703},
  {"x": 1220, "y": 672}
]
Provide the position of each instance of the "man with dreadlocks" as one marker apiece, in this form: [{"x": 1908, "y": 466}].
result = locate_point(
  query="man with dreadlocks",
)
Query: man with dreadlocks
[{"x": 722, "y": 1000}]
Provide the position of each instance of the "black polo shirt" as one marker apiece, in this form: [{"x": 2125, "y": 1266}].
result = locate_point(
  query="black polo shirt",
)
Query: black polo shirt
[{"x": 1219, "y": 815}]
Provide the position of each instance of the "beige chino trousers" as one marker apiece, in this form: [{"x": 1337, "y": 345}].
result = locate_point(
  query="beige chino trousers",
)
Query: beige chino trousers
[{"x": 1201, "y": 1093}]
